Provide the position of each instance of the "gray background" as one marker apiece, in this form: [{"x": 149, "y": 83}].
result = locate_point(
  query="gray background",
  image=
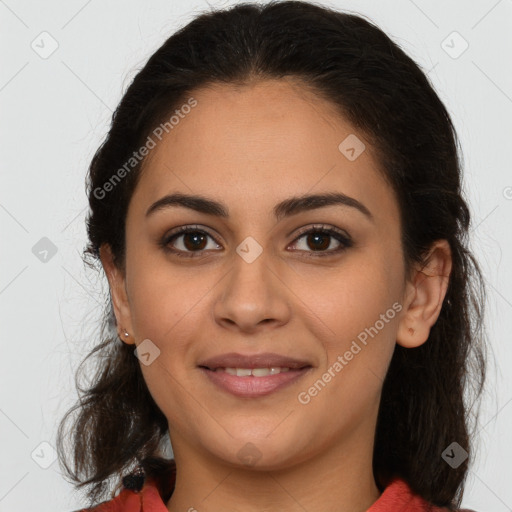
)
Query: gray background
[{"x": 55, "y": 111}]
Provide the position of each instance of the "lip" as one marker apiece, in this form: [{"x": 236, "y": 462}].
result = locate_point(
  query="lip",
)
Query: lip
[
  {"x": 263, "y": 360},
  {"x": 250, "y": 386},
  {"x": 253, "y": 387}
]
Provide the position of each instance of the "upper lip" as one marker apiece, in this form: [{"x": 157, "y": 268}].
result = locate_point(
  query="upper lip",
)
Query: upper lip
[{"x": 264, "y": 360}]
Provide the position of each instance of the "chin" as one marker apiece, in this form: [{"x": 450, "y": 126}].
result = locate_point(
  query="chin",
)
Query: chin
[{"x": 259, "y": 453}]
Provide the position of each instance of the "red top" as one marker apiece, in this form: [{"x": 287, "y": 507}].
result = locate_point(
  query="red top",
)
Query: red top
[{"x": 397, "y": 497}]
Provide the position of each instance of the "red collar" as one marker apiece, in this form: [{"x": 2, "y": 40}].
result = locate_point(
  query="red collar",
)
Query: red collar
[{"x": 397, "y": 496}]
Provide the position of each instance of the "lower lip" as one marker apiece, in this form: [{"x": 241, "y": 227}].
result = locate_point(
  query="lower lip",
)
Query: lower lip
[{"x": 250, "y": 386}]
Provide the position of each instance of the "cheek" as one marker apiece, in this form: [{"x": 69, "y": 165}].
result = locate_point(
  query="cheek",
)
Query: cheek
[
  {"x": 350, "y": 298},
  {"x": 165, "y": 299},
  {"x": 355, "y": 315},
  {"x": 167, "y": 307},
  {"x": 362, "y": 318}
]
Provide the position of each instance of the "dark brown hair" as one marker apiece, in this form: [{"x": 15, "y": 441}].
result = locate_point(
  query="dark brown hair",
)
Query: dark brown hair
[{"x": 429, "y": 393}]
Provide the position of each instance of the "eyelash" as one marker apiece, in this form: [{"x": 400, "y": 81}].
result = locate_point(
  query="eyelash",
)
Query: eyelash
[{"x": 344, "y": 240}]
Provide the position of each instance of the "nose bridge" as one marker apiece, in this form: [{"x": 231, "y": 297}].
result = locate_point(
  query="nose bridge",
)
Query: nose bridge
[{"x": 252, "y": 292}]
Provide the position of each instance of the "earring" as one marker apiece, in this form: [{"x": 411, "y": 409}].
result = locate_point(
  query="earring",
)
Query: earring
[{"x": 126, "y": 335}]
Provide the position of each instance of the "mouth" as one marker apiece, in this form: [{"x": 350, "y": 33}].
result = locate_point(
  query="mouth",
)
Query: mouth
[
  {"x": 254, "y": 372},
  {"x": 247, "y": 376}
]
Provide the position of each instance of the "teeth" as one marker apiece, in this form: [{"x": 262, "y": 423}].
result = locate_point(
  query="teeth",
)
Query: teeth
[
  {"x": 262, "y": 372},
  {"x": 256, "y": 372}
]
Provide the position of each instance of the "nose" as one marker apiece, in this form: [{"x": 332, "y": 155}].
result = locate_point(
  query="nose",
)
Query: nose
[{"x": 252, "y": 296}]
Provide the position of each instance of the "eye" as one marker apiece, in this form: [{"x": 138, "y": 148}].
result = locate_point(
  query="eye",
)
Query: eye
[
  {"x": 186, "y": 241},
  {"x": 319, "y": 239},
  {"x": 190, "y": 239}
]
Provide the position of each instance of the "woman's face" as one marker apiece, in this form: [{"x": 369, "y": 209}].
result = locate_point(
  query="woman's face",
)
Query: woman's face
[{"x": 251, "y": 282}]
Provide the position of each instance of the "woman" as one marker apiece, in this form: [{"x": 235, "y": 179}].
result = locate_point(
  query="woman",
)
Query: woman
[{"x": 278, "y": 210}]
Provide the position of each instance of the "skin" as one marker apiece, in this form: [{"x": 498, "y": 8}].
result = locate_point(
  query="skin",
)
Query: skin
[{"x": 251, "y": 147}]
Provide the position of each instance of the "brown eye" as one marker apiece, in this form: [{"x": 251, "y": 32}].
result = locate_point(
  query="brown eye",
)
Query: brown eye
[
  {"x": 193, "y": 241},
  {"x": 187, "y": 240},
  {"x": 320, "y": 239}
]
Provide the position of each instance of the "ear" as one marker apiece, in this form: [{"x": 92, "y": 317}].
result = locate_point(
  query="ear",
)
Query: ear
[
  {"x": 425, "y": 294},
  {"x": 117, "y": 284}
]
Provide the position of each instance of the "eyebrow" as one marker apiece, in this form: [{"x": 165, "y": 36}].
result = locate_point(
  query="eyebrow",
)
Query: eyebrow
[{"x": 286, "y": 208}]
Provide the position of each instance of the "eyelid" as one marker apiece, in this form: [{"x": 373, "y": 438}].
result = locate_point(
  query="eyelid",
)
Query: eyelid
[
  {"x": 184, "y": 230},
  {"x": 322, "y": 227}
]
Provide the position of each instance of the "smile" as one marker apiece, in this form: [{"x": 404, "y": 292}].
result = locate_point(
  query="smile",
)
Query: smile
[
  {"x": 255, "y": 382},
  {"x": 256, "y": 372}
]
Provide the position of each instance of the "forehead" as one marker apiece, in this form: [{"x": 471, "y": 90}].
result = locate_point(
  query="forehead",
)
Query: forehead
[{"x": 265, "y": 141}]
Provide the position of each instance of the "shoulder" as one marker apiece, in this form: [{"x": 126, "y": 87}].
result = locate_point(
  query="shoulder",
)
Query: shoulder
[
  {"x": 126, "y": 501},
  {"x": 399, "y": 496},
  {"x": 138, "y": 493}
]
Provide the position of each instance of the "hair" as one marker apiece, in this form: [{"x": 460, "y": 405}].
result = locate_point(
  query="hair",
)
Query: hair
[{"x": 348, "y": 61}]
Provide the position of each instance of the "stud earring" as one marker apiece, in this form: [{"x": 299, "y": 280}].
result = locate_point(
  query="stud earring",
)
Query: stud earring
[{"x": 126, "y": 335}]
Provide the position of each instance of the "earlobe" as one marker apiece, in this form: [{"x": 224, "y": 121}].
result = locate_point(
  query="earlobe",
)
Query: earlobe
[
  {"x": 117, "y": 285},
  {"x": 425, "y": 295}
]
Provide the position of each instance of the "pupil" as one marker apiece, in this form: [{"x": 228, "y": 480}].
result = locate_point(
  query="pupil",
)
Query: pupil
[
  {"x": 196, "y": 237},
  {"x": 320, "y": 236}
]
